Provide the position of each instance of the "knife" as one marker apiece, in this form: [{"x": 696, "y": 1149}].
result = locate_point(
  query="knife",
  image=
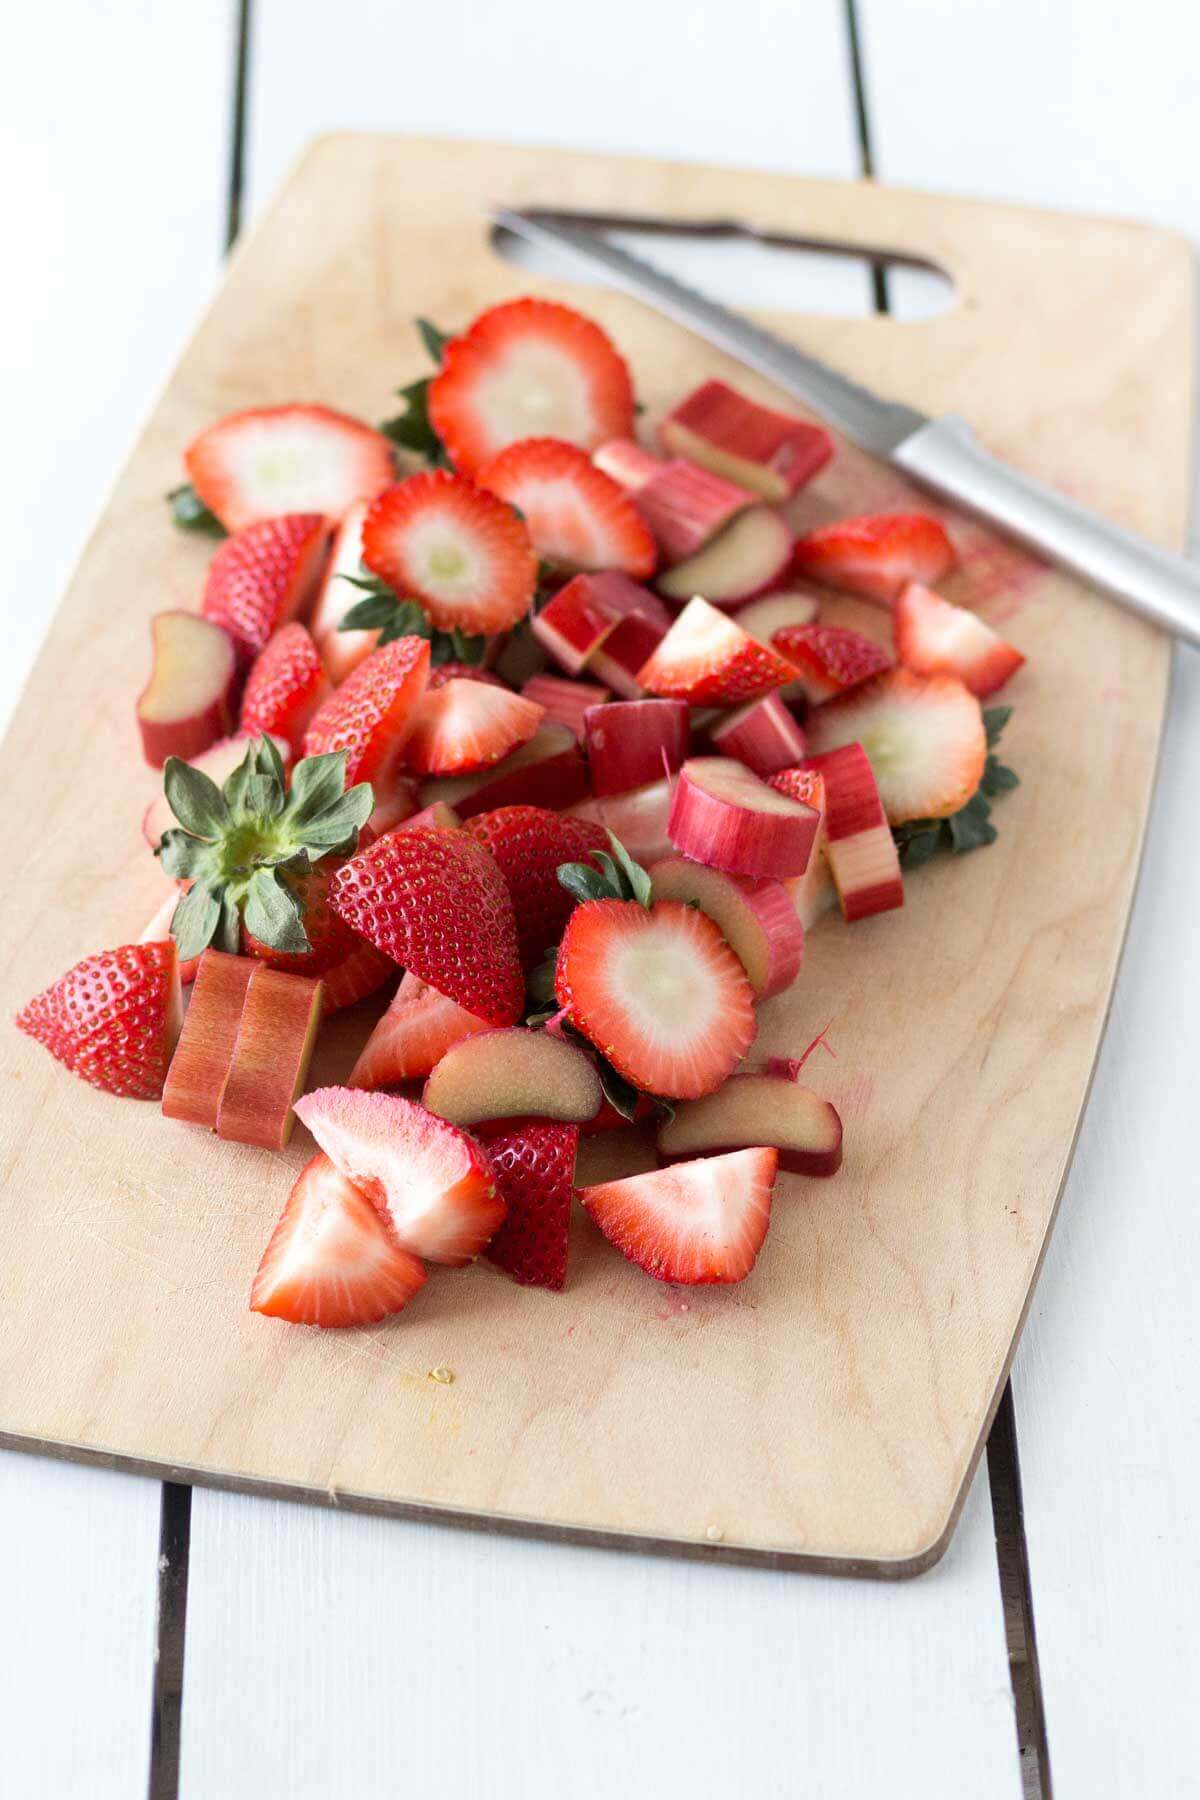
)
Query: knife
[{"x": 942, "y": 454}]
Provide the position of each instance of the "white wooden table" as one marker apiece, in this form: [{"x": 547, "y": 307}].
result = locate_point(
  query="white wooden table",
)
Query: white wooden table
[{"x": 328, "y": 1656}]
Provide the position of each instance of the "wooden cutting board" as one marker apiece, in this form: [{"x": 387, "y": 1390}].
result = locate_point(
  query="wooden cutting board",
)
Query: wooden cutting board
[{"x": 828, "y": 1412}]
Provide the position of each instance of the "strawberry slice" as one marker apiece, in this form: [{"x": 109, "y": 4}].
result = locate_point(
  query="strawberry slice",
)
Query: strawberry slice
[
  {"x": 436, "y": 903},
  {"x": 113, "y": 1019},
  {"x": 284, "y": 688},
  {"x": 462, "y": 725},
  {"x": 534, "y": 1168},
  {"x": 659, "y": 991},
  {"x": 529, "y": 365},
  {"x": 272, "y": 460},
  {"x": 924, "y": 737},
  {"x": 830, "y": 658},
  {"x": 934, "y": 637},
  {"x": 708, "y": 660},
  {"x": 693, "y": 1223},
  {"x": 432, "y": 1182},
  {"x": 413, "y": 1035},
  {"x": 371, "y": 714},
  {"x": 577, "y": 516},
  {"x": 458, "y": 549},
  {"x": 876, "y": 555},
  {"x": 342, "y": 651},
  {"x": 362, "y": 972},
  {"x": 461, "y": 671},
  {"x": 333, "y": 1258},
  {"x": 530, "y": 843},
  {"x": 263, "y": 575}
]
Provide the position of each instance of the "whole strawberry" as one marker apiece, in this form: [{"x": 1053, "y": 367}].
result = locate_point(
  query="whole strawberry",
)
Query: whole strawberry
[
  {"x": 534, "y": 1167},
  {"x": 113, "y": 1019},
  {"x": 264, "y": 575},
  {"x": 530, "y": 843}
]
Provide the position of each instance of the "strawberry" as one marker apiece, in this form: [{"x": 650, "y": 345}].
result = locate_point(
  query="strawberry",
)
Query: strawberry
[
  {"x": 708, "y": 660},
  {"x": 933, "y": 637},
  {"x": 441, "y": 673},
  {"x": 924, "y": 736},
  {"x": 371, "y": 714},
  {"x": 263, "y": 575},
  {"x": 363, "y": 971},
  {"x": 530, "y": 843},
  {"x": 462, "y": 725},
  {"x": 695, "y": 1222},
  {"x": 528, "y": 365},
  {"x": 876, "y": 555},
  {"x": 534, "y": 1168},
  {"x": 285, "y": 687},
  {"x": 830, "y": 658},
  {"x": 413, "y": 1035},
  {"x": 432, "y": 1182},
  {"x": 342, "y": 651},
  {"x": 273, "y": 460},
  {"x": 456, "y": 548},
  {"x": 658, "y": 991},
  {"x": 331, "y": 941},
  {"x": 436, "y": 903},
  {"x": 333, "y": 1258},
  {"x": 577, "y": 516},
  {"x": 113, "y": 1019}
]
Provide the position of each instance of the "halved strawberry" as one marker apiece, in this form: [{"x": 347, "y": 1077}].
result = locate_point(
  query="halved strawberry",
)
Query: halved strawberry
[
  {"x": 462, "y": 725},
  {"x": 333, "y": 1258},
  {"x": 659, "y": 991},
  {"x": 693, "y": 1223},
  {"x": 113, "y": 1019},
  {"x": 342, "y": 651},
  {"x": 413, "y": 1035},
  {"x": 876, "y": 555},
  {"x": 924, "y": 736},
  {"x": 534, "y": 1167},
  {"x": 285, "y": 687},
  {"x": 264, "y": 575},
  {"x": 577, "y": 516},
  {"x": 362, "y": 972},
  {"x": 707, "y": 659},
  {"x": 933, "y": 637},
  {"x": 830, "y": 658},
  {"x": 371, "y": 714},
  {"x": 530, "y": 843},
  {"x": 430, "y": 1180},
  {"x": 456, "y": 548},
  {"x": 272, "y": 460},
  {"x": 525, "y": 367}
]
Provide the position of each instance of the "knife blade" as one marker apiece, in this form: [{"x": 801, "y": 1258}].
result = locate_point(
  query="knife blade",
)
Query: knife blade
[{"x": 941, "y": 454}]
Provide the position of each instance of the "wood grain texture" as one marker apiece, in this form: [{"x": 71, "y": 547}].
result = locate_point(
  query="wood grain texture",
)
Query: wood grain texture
[{"x": 831, "y": 1410}]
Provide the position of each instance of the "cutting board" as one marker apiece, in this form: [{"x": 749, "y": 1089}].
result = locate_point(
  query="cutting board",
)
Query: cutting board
[{"x": 829, "y": 1411}]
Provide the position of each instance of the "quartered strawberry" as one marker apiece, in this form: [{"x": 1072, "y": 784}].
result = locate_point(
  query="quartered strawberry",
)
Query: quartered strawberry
[
  {"x": 362, "y": 972},
  {"x": 113, "y": 1019},
  {"x": 530, "y": 843},
  {"x": 525, "y": 367},
  {"x": 432, "y": 1182},
  {"x": 830, "y": 659},
  {"x": 413, "y": 1035},
  {"x": 436, "y": 903},
  {"x": 464, "y": 724},
  {"x": 264, "y": 575},
  {"x": 658, "y": 991},
  {"x": 371, "y": 714},
  {"x": 456, "y": 548},
  {"x": 923, "y": 734},
  {"x": 935, "y": 637},
  {"x": 693, "y": 1223},
  {"x": 534, "y": 1167},
  {"x": 285, "y": 687},
  {"x": 577, "y": 516},
  {"x": 708, "y": 660},
  {"x": 273, "y": 460},
  {"x": 441, "y": 673},
  {"x": 342, "y": 651},
  {"x": 876, "y": 555},
  {"x": 333, "y": 1258}
]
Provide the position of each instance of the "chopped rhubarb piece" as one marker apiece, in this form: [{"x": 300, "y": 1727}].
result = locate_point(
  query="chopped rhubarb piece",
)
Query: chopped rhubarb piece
[
  {"x": 862, "y": 852},
  {"x": 736, "y": 437},
  {"x": 924, "y": 735},
  {"x": 758, "y": 1109},
  {"x": 695, "y": 1223},
  {"x": 762, "y": 734},
  {"x": 566, "y": 702},
  {"x": 724, "y": 816},
  {"x": 624, "y": 652},
  {"x": 547, "y": 771},
  {"x": 629, "y": 465},
  {"x": 708, "y": 660},
  {"x": 463, "y": 726},
  {"x": 812, "y": 894},
  {"x": 275, "y": 1040},
  {"x": 830, "y": 659},
  {"x": 218, "y": 764},
  {"x": 638, "y": 818},
  {"x": 763, "y": 617},
  {"x": 933, "y": 637},
  {"x": 534, "y": 1166},
  {"x": 576, "y": 621},
  {"x": 204, "y": 1055},
  {"x": 746, "y": 559},
  {"x": 755, "y": 917},
  {"x": 876, "y": 556},
  {"x": 189, "y": 700},
  {"x": 632, "y": 742},
  {"x": 342, "y": 651},
  {"x": 412, "y": 1036},
  {"x": 684, "y": 505},
  {"x": 512, "y": 1075}
]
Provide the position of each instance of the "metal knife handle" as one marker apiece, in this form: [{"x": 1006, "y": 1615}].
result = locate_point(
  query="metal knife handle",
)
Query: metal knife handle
[{"x": 1163, "y": 587}]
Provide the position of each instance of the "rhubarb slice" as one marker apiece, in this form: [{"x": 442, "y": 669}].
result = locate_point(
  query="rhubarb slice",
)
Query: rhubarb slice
[
  {"x": 747, "y": 559},
  {"x": 762, "y": 734},
  {"x": 756, "y": 918},
  {"x": 751, "y": 444},
  {"x": 575, "y": 622},
  {"x": 511, "y": 1075},
  {"x": 275, "y": 1041},
  {"x": 684, "y": 505},
  {"x": 758, "y": 1109},
  {"x": 723, "y": 815},
  {"x": 812, "y": 894},
  {"x": 623, "y": 654},
  {"x": 638, "y": 818},
  {"x": 862, "y": 852},
  {"x": 565, "y": 702},
  {"x": 633, "y": 742},
  {"x": 203, "y": 1057},
  {"x": 189, "y": 701}
]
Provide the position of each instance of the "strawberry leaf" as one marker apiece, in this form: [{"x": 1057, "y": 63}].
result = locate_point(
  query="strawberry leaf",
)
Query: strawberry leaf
[
  {"x": 273, "y": 914},
  {"x": 621, "y": 1095},
  {"x": 189, "y": 513},
  {"x": 318, "y": 782},
  {"x": 195, "y": 799},
  {"x": 182, "y": 856},
  {"x": 995, "y": 718},
  {"x": 456, "y": 646},
  {"x": 195, "y": 921},
  {"x": 435, "y": 341},
  {"x": 635, "y": 875},
  {"x": 585, "y": 884}
]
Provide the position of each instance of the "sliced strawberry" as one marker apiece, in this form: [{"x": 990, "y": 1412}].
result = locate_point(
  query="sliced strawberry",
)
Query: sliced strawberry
[
  {"x": 577, "y": 516},
  {"x": 362, "y": 972},
  {"x": 436, "y": 903},
  {"x": 413, "y": 1035},
  {"x": 830, "y": 658},
  {"x": 441, "y": 673},
  {"x": 464, "y": 725},
  {"x": 534, "y": 1168},
  {"x": 694, "y": 1223},
  {"x": 456, "y": 547},
  {"x": 430, "y": 1180},
  {"x": 530, "y": 843},
  {"x": 659, "y": 991},
  {"x": 708, "y": 660},
  {"x": 113, "y": 1019},
  {"x": 284, "y": 688},
  {"x": 342, "y": 651},
  {"x": 924, "y": 736},
  {"x": 371, "y": 714},
  {"x": 273, "y": 460},
  {"x": 529, "y": 366},
  {"x": 875, "y": 556},
  {"x": 333, "y": 1258},
  {"x": 933, "y": 637},
  {"x": 263, "y": 575}
]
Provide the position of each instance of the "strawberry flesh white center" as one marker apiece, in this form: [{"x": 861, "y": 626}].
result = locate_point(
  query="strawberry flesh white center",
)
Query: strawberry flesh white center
[
  {"x": 454, "y": 566},
  {"x": 537, "y": 391},
  {"x": 653, "y": 977}
]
